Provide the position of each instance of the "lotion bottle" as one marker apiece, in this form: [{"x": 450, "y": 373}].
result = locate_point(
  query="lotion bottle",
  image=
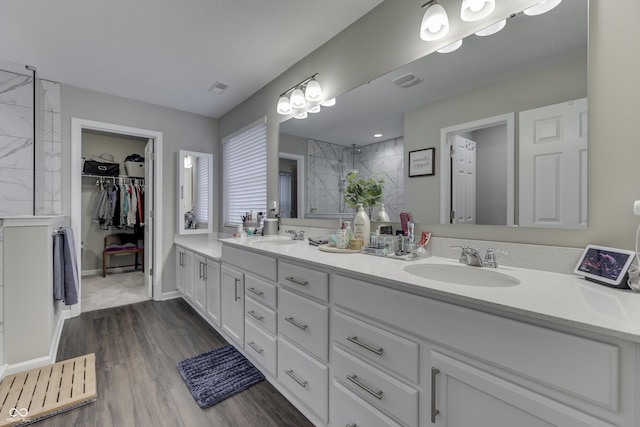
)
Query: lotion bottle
[
  {"x": 382, "y": 215},
  {"x": 362, "y": 227}
]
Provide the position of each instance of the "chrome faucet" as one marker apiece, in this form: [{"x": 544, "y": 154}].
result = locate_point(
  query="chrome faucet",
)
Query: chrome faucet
[
  {"x": 471, "y": 256},
  {"x": 296, "y": 235}
]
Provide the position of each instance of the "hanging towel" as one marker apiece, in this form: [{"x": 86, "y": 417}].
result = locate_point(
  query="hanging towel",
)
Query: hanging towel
[{"x": 65, "y": 268}]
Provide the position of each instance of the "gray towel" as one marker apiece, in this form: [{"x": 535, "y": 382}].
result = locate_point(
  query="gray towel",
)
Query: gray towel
[{"x": 65, "y": 268}]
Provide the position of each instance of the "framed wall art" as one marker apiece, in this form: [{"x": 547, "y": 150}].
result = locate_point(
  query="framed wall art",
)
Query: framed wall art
[{"x": 421, "y": 162}]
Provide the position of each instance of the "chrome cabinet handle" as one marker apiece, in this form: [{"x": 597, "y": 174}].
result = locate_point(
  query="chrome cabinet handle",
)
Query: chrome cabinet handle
[
  {"x": 355, "y": 340},
  {"x": 201, "y": 271},
  {"x": 204, "y": 271},
  {"x": 354, "y": 379},
  {"x": 297, "y": 324},
  {"x": 296, "y": 281},
  {"x": 254, "y": 315},
  {"x": 255, "y": 347},
  {"x": 434, "y": 411},
  {"x": 236, "y": 297},
  {"x": 289, "y": 372},
  {"x": 254, "y": 291}
]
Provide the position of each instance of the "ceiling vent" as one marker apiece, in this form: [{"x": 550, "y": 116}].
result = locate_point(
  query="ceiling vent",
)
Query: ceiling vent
[
  {"x": 407, "y": 80},
  {"x": 218, "y": 88}
]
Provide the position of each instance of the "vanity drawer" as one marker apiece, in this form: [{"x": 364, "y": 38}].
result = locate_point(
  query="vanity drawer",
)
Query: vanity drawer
[
  {"x": 377, "y": 345},
  {"x": 260, "y": 290},
  {"x": 379, "y": 389},
  {"x": 260, "y": 315},
  {"x": 347, "y": 409},
  {"x": 304, "y": 322},
  {"x": 304, "y": 280},
  {"x": 261, "y": 347},
  {"x": 261, "y": 265},
  {"x": 306, "y": 378}
]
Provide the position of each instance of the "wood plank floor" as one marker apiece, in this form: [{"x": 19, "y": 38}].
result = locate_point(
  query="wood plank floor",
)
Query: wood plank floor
[{"x": 137, "y": 347}]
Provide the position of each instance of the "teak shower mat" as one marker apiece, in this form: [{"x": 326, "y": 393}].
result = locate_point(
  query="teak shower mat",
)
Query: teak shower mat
[{"x": 30, "y": 396}]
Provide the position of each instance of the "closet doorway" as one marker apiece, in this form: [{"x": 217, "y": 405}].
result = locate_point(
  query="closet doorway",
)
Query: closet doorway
[{"x": 98, "y": 140}]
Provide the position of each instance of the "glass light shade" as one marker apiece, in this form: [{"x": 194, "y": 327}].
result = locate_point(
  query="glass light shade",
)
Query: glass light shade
[
  {"x": 301, "y": 116},
  {"x": 542, "y": 7},
  {"x": 450, "y": 48},
  {"x": 435, "y": 23},
  {"x": 284, "y": 106},
  {"x": 329, "y": 102},
  {"x": 313, "y": 91},
  {"x": 297, "y": 99},
  {"x": 492, "y": 29},
  {"x": 475, "y": 10},
  {"x": 314, "y": 110}
]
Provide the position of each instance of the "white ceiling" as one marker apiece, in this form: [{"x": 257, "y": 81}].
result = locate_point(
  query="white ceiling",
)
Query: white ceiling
[{"x": 170, "y": 52}]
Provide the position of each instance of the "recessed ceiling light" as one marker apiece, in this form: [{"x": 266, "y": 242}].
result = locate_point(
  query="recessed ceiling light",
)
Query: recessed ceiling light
[{"x": 377, "y": 135}]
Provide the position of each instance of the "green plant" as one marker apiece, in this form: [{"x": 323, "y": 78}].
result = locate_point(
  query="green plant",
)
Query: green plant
[{"x": 366, "y": 191}]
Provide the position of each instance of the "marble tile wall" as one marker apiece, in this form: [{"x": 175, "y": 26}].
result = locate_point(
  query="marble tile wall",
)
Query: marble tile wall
[
  {"x": 16, "y": 147},
  {"x": 329, "y": 164}
]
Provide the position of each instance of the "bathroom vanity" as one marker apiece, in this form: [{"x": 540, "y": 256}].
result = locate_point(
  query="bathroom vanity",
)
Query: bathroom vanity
[{"x": 354, "y": 340}]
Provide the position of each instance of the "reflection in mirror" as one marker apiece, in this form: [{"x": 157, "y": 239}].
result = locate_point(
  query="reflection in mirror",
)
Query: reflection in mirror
[
  {"x": 535, "y": 61},
  {"x": 194, "y": 192}
]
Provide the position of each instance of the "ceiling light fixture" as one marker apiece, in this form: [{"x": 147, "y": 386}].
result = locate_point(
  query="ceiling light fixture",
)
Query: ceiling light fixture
[
  {"x": 377, "y": 135},
  {"x": 475, "y": 10},
  {"x": 435, "y": 22},
  {"x": 492, "y": 29},
  {"x": 542, "y": 7},
  {"x": 296, "y": 97},
  {"x": 450, "y": 48}
]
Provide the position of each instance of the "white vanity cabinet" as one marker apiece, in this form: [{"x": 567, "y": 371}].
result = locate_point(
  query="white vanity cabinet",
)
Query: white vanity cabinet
[
  {"x": 232, "y": 299},
  {"x": 200, "y": 283},
  {"x": 185, "y": 273},
  {"x": 212, "y": 277},
  {"x": 260, "y": 322}
]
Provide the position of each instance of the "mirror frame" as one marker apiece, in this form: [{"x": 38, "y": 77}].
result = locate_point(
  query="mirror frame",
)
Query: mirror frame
[{"x": 180, "y": 210}]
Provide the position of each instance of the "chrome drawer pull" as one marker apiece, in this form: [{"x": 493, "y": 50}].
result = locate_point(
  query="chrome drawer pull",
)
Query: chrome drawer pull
[
  {"x": 354, "y": 379},
  {"x": 355, "y": 340},
  {"x": 254, "y": 315},
  {"x": 253, "y": 290},
  {"x": 296, "y": 281},
  {"x": 294, "y": 323},
  {"x": 255, "y": 347},
  {"x": 434, "y": 411},
  {"x": 236, "y": 281},
  {"x": 289, "y": 372}
]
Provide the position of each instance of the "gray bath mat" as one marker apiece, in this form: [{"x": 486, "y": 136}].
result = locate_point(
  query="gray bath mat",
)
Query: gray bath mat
[{"x": 218, "y": 374}]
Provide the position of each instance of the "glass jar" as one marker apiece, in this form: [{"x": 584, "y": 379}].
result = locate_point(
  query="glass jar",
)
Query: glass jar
[{"x": 342, "y": 239}]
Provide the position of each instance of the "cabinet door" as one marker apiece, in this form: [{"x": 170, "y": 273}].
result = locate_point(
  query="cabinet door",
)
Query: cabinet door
[
  {"x": 466, "y": 395},
  {"x": 212, "y": 276},
  {"x": 188, "y": 275},
  {"x": 180, "y": 270},
  {"x": 200, "y": 283},
  {"x": 233, "y": 304}
]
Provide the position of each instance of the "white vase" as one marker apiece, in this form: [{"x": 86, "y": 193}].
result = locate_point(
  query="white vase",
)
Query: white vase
[
  {"x": 382, "y": 215},
  {"x": 361, "y": 225}
]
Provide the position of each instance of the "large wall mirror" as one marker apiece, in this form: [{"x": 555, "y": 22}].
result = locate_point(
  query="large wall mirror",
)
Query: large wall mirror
[
  {"x": 195, "y": 192},
  {"x": 480, "y": 93}
]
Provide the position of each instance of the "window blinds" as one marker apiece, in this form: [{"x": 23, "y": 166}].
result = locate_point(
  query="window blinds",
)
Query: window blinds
[
  {"x": 245, "y": 173},
  {"x": 202, "y": 189}
]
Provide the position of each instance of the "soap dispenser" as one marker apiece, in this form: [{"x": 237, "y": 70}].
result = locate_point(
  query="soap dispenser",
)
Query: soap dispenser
[
  {"x": 382, "y": 215},
  {"x": 362, "y": 227}
]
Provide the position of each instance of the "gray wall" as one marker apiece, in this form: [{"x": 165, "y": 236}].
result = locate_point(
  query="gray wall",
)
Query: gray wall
[
  {"x": 180, "y": 130},
  {"x": 491, "y": 181},
  {"x": 386, "y": 38}
]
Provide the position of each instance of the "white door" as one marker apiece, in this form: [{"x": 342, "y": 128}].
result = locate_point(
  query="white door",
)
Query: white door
[
  {"x": 463, "y": 176},
  {"x": 553, "y": 166},
  {"x": 148, "y": 217}
]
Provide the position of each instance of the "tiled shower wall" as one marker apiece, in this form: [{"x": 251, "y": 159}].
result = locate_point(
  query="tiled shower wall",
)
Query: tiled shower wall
[
  {"x": 329, "y": 164},
  {"x": 16, "y": 147}
]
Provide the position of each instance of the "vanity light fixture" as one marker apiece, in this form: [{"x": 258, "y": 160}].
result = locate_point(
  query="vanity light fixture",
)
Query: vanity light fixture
[
  {"x": 492, "y": 29},
  {"x": 450, "y": 48},
  {"x": 475, "y": 10},
  {"x": 297, "y": 96},
  {"x": 301, "y": 116},
  {"x": 329, "y": 102},
  {"x": 542, "y": 7},
  {"x": 435, "y": 22},
  {"x": 314, "y": 110}
]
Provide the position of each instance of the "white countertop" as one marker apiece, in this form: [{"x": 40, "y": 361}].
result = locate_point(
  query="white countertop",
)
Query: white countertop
[
  {"x": 203, "y": 244},
  {"x": 562, "y": 299}
]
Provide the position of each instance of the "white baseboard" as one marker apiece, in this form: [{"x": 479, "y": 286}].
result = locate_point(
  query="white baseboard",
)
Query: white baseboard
[
  {"x": 170, "y": 295},
  {"x": 45, "y": 360}
]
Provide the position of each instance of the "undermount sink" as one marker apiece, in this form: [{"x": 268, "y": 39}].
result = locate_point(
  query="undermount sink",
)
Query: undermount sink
[
  {"x": 462, "y": 275},
  {"x": 276, "y": 242}
]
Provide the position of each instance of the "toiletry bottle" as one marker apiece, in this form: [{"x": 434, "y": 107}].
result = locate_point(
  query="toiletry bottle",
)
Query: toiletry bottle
[
  {"x": 382, "y": 215},
  {"x": 362, "y": 227}
]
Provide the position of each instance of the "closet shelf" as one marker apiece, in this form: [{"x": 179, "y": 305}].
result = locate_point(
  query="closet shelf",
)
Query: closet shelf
[{"x": 90, "y": 175}]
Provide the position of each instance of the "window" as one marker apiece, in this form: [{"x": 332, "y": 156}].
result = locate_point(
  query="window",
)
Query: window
[
  {"x": 245, "y": 172},
  {"x": 202, "y": 189}
]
